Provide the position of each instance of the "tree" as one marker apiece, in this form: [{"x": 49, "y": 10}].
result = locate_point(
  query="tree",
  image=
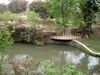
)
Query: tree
[
  {"x": 89, "y": 9},
  {"x": 38, "y": 7},
  {"x": 64, "y": 11},
  {"x": 3, "y": 8},
  {"x": 17, "y": 6}
]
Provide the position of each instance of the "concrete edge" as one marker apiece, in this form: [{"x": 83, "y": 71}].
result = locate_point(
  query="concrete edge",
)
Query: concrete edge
[{"x": 82, "y": 46}]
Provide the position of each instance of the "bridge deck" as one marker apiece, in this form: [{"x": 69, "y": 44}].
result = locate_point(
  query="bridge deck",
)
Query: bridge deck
[{"x": 65, "y": 38}]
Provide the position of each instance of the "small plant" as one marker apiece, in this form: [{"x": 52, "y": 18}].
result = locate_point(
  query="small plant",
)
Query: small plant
[
  {"x": 49, "y": 68},
  {"x": 70, "y": 70},
  {"x": 5, "y": 41},
  {"x": 66, "y": 12}
]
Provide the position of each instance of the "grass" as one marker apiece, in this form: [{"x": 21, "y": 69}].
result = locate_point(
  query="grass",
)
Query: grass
[{"x": 93, "y": 44}]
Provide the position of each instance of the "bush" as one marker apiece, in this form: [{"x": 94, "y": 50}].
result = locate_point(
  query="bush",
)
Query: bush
[
  {"x": 5, "y": 38},
  {"x": 38, "y": 6},
  {"x": 7, "y": 16},
  {"x": 32, "y": 17},
  {"x": 26, "y": 65},
  {"x": 5, "y": 41},
  {"x": 49, "y": 68},
  {"x": 70, "y": 70}
]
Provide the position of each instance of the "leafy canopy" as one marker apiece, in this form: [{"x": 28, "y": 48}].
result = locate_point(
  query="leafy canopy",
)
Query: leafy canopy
[{"x": 68, "y": 10}]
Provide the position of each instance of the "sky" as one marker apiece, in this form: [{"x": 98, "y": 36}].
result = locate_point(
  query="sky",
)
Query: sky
[
  {"x": 4, "y": 1},
  {"x": 7, "y": 1}
]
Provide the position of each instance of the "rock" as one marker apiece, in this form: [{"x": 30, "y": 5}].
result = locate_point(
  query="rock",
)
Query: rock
[
  {"x": 21, "y": 64},
  {"x": 24, "y": 65}
]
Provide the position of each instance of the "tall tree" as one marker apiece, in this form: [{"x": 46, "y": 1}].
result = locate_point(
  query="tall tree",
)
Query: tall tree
[
  {"x": 38, "y": 7},
  {"x": 3, "y": 8},
  {"x": 63, "y": 11},
  {"x": 17, "y": 6},
  {"x": 89, "y": 9}
]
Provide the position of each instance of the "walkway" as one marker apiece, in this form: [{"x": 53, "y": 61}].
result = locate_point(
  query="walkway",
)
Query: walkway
[{"x": 65, "y": 38}]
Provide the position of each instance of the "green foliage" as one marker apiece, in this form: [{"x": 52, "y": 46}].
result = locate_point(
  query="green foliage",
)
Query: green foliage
[
  {"x": 5, "y": 39},
  {"x": 70, "y": 70},
  {"x": 6, "y": 16},
  {"x": 49, "y": 68},
  {"x": 44, "y": 67},
  {"x": 89, "y": 9},
  {"x": 28, "y": 35},
  {"x": 93, "y": 44},
  {"x": 65, "y": 11},
  {"x": 38, "y": 7},
  {"x": 32, "y": 17}
]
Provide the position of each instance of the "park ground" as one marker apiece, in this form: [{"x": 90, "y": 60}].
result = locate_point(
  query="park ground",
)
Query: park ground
[{"x": 93, "y": 42}]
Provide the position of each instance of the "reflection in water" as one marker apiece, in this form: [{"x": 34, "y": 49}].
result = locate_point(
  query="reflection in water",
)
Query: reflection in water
[
  {"x": 92, "y": 62},
  {"x": 59, "y": 54},
  {"x": 95, "y": 74},
  {"x": 74, "y": 58}
]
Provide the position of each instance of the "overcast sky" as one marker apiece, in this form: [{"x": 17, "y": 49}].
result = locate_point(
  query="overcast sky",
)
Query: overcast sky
[{"x": 7, "y": 1}]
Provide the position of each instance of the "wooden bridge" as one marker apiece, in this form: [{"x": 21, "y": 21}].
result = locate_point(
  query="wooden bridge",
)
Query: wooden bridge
[{"x": 65, "y": 38}]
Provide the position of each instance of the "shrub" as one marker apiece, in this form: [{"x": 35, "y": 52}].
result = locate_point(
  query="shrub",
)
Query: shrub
[
  {"x": 5, "y": 41},
  {"x": 49, "y": 68},
  {"x": 26, "y": 65},
  {"x": 32, "y": 17},
  {"x": 5, "y": 38},
  {"x": 39, "y": 43},
  {"x": 7, "y": 16},
  {"x": 70, "y": 70}
]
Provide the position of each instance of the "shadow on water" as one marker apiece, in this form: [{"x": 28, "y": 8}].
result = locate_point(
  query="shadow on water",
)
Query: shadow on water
[{"x": 60, "y": 54}]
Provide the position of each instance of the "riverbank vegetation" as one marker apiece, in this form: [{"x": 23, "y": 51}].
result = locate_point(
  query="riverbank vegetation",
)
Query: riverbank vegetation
[
  {"x": 5, "y": 41},
  {"x": 93, "y": 44},
  {"x": 36, "y": 22}
]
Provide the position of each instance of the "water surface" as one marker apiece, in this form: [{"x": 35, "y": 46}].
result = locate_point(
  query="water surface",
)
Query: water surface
[{"x": 60, "y": 55}]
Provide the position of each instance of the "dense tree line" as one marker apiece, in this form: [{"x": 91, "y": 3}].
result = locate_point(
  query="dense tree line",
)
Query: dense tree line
[
  {"x": 65, "y": 11},
  {"x": 3, "y": 8},
  {"x": 17, "y": 6},
  {"x": 89, "y": 9},
  {"x": 14, "y": 6},
  {"x": 39, "y": 7}
]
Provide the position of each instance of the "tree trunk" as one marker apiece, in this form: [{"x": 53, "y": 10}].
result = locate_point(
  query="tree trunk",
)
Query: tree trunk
[{"x": 62, "y": 13}]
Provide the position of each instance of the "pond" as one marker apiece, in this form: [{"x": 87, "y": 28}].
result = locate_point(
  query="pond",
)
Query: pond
[{"x": 60, "y": 55}]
